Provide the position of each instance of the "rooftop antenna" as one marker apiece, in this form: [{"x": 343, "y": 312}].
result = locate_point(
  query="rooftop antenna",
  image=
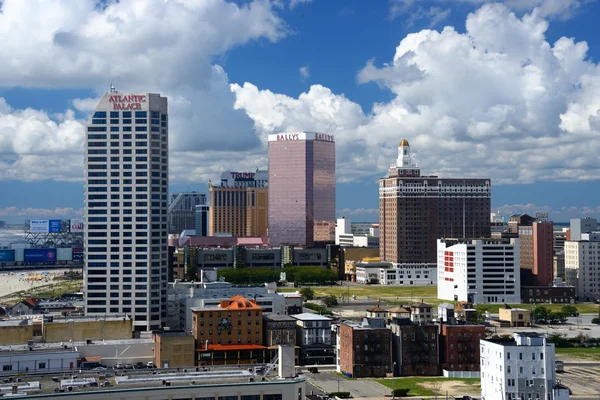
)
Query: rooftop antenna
[{"x": 113, "y": 89}]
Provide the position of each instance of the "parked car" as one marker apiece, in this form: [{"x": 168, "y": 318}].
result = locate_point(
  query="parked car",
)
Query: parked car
[
  {"x": 119, "y": 366},
  {"x": 128, "y": 366},
  {"x": 149, "y": 364},
  {"x": 100, "y": 368},
  {"x": 139, "y": 365},
  {"x": 313, "y": 370},
  {"x": 559, "y": 366}
]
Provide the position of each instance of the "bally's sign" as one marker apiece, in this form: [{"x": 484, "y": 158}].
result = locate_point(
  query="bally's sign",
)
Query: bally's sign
[
  {"x": 127, "y": 102},
  {"x": 323, "y": 137},
  {"x": 287, "y": 137}
]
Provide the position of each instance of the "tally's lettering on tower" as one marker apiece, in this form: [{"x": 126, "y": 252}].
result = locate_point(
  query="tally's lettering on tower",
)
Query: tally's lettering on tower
[
  {"x": 288, "y": 136},
  {"x": 127, "y": 102}
]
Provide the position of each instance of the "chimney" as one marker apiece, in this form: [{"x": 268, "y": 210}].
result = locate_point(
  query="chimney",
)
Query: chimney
[{"x": 287, "y": 363}]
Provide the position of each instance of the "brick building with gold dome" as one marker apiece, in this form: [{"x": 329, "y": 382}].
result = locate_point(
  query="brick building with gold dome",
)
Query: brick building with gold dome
[{"x": 416, "y": 210}]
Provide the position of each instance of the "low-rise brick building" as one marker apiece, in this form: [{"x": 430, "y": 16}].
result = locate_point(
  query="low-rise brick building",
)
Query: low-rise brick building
[
  {"x": 365, "y": 348},
  {"x": 415, "y": 348},
  {"x": 231, "y": 333},
  {"x": 459, "y": 350}
]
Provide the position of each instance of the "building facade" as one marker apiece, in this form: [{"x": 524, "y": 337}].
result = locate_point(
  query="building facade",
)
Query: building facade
[
  {"x": 518, "y": 368},
  {"x": 580, "y": 226},
  {"x": 301, "y": 187},
  {"x": 201, "y": 214},
  {"x": 279, "y": 330},
  {"x": 365, "y": 348},
  {"x": 181, "y": 214},
  {"x": 173, "y": 349},
  {"x": 479, "y": 271},
  {"x": 548, "y": 294},
  {"x": 359, "y": 234},
  {"x": 415, "y": 349},
  {"x": 126, "y": 195},
  {"x": 460, "y": 349},
  {"x": 582, "y": 269},
  {"x": 238, "y": 210},
  {"x": 231, "y": 333},
  {"x": 516, "y": 317},
  {"x": 314, "y": 338},
  {"x": 537, "y": 251},
  {"x": 385, "y": 273},
  {"x": 415, "y": 210}
]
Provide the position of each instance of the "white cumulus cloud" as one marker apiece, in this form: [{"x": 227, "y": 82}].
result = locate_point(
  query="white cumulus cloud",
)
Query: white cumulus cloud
[
  {"x": 498, "y": 101},
  {"x": 160, "y": 46}
]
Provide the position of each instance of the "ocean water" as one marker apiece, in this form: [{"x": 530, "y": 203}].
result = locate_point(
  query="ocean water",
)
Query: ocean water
[{"x": 8, "y": 236}]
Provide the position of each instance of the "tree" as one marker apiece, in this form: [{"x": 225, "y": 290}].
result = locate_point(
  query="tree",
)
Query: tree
[
  {"x": 557, "y": 317},
  {"x": 559, "y": 340},
  {"x": 570, "y": 310},
  {"x": 308, "y": 293},
  {"x": 330, "y": 301},
  {"x": 540, "y": 315},
  {"x": 596, "y": 321}
]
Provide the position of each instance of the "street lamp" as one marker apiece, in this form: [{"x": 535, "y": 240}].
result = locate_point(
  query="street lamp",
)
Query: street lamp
[{"x": 393, "y": 381}]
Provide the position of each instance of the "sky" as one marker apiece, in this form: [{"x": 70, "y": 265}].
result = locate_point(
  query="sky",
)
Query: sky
[{"x": 503, "y": 90}]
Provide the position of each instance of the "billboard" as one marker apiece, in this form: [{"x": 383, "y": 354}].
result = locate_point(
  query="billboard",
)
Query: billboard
[
  {"x": 77, "y": 255},
  {"x": 77, "y": 226},
  {"x": 49, "y": 226},
  {"x": 40, "y": 255},
  {"x": 7, "y": 255},
  {"x": 64, "y": 254},
  {"x": 39, "y": 226},
  {"x": 54, "y": 226}
]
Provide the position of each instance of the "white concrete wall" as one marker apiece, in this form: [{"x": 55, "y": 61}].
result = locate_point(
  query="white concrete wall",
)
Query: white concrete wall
[
  {"x": 288, "y": 389},
  {"x": 34, "y": 361},
  {"x": 127, "y": 352}
]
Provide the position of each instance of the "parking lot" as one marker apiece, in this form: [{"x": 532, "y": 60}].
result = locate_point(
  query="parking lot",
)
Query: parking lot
[
  {"x": 582, "y": 379},
  {"x": 328, "y": 381}
]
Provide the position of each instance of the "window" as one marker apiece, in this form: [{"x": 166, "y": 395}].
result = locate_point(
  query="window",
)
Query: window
[{"x": 42, "y": 365}]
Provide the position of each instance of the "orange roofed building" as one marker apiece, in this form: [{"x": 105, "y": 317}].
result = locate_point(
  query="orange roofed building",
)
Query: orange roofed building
[{"x": 231, "y": 333}]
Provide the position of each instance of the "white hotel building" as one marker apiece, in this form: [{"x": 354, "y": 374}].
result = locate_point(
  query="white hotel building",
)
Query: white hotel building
[
  {"x": 126, "y": 195},
  {"x": 519, "y": 368},
  {"x": 582, "y": 266},
  {"x": 481, "y": 271}
]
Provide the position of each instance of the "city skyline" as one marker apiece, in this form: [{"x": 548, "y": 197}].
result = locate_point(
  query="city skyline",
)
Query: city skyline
[{"x": 527, "y": 121}]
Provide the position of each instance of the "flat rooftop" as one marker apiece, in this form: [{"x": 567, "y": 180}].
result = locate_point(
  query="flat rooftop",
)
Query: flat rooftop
[
  {"x": 106, "y": 381},
  {"x": 56, "y": 318},
  {"x": 67, "y": 346},
  {"x": 310, "y": 317}
]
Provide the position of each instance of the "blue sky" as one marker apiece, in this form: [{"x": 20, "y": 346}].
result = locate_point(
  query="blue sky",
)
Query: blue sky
[{"x": 494, "y": 96}]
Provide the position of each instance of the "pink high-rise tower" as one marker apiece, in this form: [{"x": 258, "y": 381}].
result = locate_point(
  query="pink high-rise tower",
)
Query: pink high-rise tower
[{"x": 301, "y": 187}]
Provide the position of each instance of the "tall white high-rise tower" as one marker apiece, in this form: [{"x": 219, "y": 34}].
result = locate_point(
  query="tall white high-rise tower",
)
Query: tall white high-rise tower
[{"x": 126, "y": 196}]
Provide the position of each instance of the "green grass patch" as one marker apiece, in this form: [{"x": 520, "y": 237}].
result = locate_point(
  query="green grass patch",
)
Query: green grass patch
[
  {"x": 586, "y": 353},
  {"x": 425, "y": 386},
  {"x": 343, "y": 376},
  {"x": 417, "y": 293}
]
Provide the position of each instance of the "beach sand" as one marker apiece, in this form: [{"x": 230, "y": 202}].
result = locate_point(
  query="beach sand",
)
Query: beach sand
[{"x": 11, "y": 282}]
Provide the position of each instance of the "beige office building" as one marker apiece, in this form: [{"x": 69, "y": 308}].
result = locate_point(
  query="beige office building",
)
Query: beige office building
[{"x": 239, "y": 205}]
